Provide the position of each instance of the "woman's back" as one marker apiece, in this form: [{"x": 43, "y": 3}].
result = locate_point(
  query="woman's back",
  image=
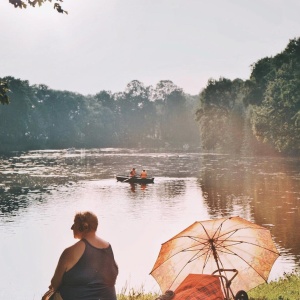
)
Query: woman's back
[{"x": 92, "y": 277}]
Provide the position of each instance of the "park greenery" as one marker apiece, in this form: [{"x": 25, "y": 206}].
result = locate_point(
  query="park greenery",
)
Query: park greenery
[
  {"x": 41, "y": 118},
  {"x": 260, "y": 115}
]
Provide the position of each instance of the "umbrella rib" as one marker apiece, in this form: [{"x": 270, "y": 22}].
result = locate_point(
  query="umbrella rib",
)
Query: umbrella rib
[
  {"x": 230, "y": 233},
  {"x": 190, "y": 260},
  {"x": 234, "y": 254},
  {"x": 208, "y": 255},
  {"x": 217, "y": 230},
  {"x": 185, "y": 250},
  {"x": 249, "y": 243}
]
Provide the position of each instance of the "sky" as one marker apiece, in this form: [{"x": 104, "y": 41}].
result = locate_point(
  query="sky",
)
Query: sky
[{"x": 105, "y": 44}]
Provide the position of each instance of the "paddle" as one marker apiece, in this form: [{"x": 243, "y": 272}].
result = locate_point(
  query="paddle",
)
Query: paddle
[{"x": 128, "y": 179}]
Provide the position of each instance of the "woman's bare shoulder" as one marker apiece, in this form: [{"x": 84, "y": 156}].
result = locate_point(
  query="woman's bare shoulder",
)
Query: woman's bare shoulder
[
  {"x": 72, "y": 254},
  {"x": 77, "y": 248},
  {"x": 100, "y": 243}
]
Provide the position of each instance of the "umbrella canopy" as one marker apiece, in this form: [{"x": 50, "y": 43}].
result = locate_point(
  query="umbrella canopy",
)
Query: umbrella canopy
[{"x": 207, "y": 246}]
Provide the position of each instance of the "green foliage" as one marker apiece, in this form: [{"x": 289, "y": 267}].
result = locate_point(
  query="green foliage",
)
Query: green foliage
[
  {"x": 39, "y": 118},
  {"x": 260, "y": 114},
  {"x": 276, "y": 119},
  {"x": 23, "y": 4},
  {"x": 234, "y": 116},
  {"x": 175, "y": 117},
  {"x": 221, "y": 115},
  {"x": 262, "y": 72},
  {"x": 16, "y": 119},
  {"x": 3, "y": 92}
]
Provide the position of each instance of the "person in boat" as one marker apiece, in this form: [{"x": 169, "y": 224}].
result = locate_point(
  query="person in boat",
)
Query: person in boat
[
  {"x": 144, "y": 174},
  {"x": 132, "y": 173},
  {"x": 87, "y": 270}
]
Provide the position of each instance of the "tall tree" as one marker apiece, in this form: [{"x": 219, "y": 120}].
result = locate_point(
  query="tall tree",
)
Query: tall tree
[
  {"x": 174, "y": 114},
  {"x": 134, "y": 108},
  {"x": 276, "y": 120},
  {"x": 17, "y": 119},
  {"x": 221, "y": 115}
]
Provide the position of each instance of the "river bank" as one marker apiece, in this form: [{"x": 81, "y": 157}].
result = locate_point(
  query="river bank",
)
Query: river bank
[
  {"x": 42, "y": 191},
  {"x": 285, "y": 288}
]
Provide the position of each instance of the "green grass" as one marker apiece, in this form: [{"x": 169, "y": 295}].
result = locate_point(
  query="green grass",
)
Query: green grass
[
  {"x": 285, "y": 288},
  {"x": 132, "y": 294}
]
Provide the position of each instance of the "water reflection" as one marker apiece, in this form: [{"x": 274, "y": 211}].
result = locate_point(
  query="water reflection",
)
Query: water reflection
[
  {"x": 134, "y": 186},
  {"x": 265, "y": 191},
  {"x": 42, "y": 189}
]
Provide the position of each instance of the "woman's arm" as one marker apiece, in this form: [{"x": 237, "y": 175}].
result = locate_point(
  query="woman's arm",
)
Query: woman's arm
[
  {"x": 60, "y": 270},
  {"x": 67, "y": 260}
]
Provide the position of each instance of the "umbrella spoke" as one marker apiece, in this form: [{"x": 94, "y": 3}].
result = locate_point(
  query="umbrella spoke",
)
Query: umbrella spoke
[
  {"x": 219, "y": 229},
  {"x": 189, "y": 261},
  {"x": 234, "y": 243},
  {"x": 208, "y": 256},
  {"x": 246, "y": 262},
  {"x": 230, "y": 252},
  {"x": 188, "y": 249}
]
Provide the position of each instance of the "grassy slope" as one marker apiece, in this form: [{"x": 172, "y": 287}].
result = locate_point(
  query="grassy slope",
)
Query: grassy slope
[{"x": 285, "y": 288}]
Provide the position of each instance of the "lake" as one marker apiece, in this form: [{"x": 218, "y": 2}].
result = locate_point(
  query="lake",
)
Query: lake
[{"x": 40, "y": 192}]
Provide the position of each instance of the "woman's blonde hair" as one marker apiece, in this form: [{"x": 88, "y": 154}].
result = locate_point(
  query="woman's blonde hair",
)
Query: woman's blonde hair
[{"x": 86, "y": 221}]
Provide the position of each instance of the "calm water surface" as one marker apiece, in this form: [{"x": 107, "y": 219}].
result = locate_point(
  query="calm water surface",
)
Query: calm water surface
[{"x": 40, "y": 191}]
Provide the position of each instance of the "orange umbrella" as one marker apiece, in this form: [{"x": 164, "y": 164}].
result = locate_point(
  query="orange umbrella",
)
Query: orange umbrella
[{"x": 216, "y": 245}]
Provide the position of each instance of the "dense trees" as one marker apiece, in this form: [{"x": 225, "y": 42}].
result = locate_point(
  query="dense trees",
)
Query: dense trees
[
  {"x": 259, "y": 114},
  {"x": 255, "y": 116},
  {"x": 277, "y": 119},
  {"x": 221, "y": 115},
  {"x": 38, "y": 117}
]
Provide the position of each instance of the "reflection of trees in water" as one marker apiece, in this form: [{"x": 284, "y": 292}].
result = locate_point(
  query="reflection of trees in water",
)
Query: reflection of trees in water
[
  {"x": 221, "y": 181},
  {"x": 264, "y": 190},
  {"x": 276, "y": 201},
  {"x": 11, "y": 203},
  {"x": 173, "y": 188},
  {"x": 223, "y": 193}
]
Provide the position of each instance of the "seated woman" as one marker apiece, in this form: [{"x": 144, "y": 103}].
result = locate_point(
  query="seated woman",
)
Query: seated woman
[{"x": 87, "y": 270}]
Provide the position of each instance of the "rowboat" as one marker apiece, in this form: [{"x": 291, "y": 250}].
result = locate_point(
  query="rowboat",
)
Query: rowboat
[{"x": 124, "y": 178}]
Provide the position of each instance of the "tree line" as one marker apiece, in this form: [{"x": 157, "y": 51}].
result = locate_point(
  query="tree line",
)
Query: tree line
[
  {"x": 260, "y": 115},
  {"x": 38, "y": 117}
]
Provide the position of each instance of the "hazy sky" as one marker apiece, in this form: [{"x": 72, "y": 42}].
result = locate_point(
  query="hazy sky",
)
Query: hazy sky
[{"x": 104, "y": 44}]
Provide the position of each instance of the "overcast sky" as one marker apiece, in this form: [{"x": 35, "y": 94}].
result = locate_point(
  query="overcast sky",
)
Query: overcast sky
[{"x": 104, "y": 44}]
